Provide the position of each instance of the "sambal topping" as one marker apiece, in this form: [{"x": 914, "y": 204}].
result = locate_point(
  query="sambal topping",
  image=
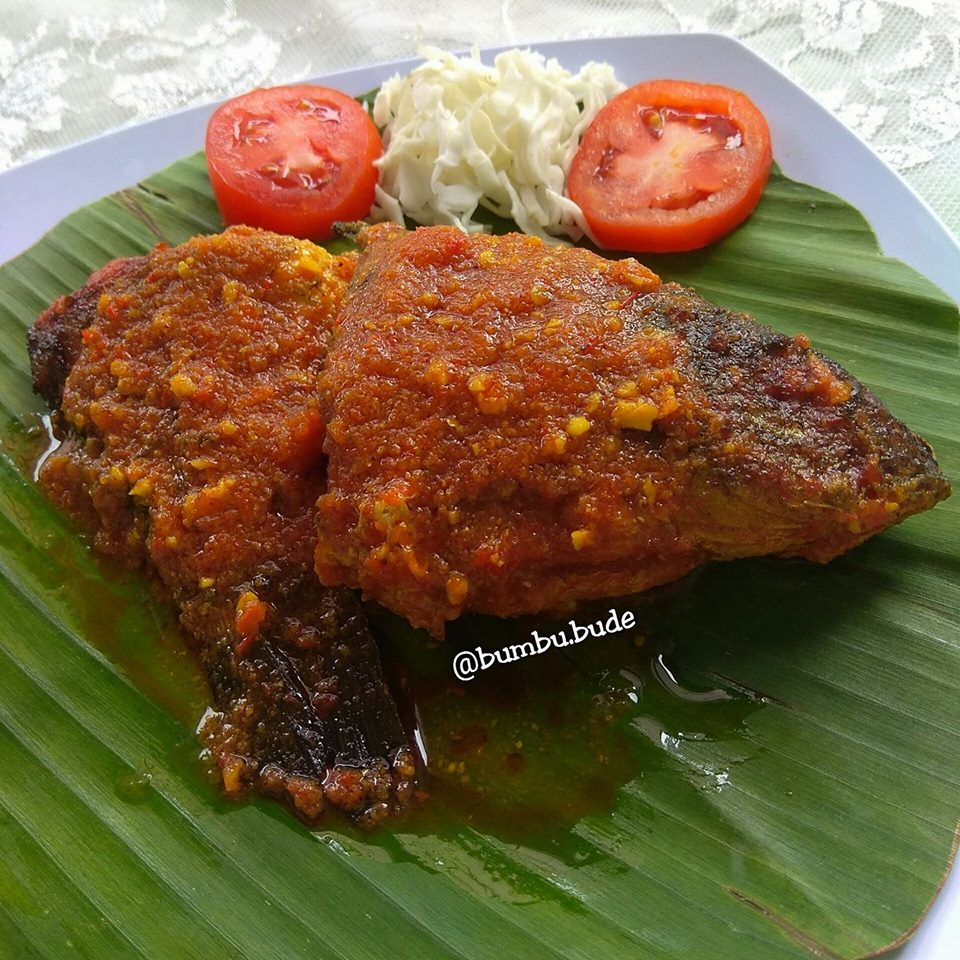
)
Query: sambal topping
[
  {"x": 590, "y": 459},
  {"x": 187, "y": 387}
]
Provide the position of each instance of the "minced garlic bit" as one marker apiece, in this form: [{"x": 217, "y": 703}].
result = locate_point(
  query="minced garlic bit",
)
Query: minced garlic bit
[
  {"x": 461, "y": 135},
  {"x": 114, "y": 477},
  {"x": 142, "y": 488},
  {"x": 577, "y": 426},
  {"x": 457, "y": 588},
  {"x": 486, "y": 394},
  {"x": 478, "y": 383},
  {"x": 232, "y": 772},
  {"x": 554, "y": 444},
  {"x": 635, "y": 415},
  {"x": 581, "y": 539},
  {"x": 539, "y": 296},
  {"x": 312, "y": 264},
  {"x": 438, "y": 373},
  {"x": 182, "y": 386}
]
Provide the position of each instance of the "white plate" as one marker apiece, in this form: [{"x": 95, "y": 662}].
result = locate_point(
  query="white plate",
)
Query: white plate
[{"x": 809, "y": 143}]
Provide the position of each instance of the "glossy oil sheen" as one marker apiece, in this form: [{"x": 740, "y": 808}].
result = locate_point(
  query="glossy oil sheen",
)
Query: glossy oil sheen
[{"x": 525, "y": 750}]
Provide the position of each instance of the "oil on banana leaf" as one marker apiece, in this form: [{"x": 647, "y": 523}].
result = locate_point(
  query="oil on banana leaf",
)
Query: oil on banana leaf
[{"x": 767, "y": 767}]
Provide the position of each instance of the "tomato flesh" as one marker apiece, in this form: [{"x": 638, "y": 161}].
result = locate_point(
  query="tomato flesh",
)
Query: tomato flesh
[
  {"x": 670, "y": 165},
  {"x": 678, "y": 160},
  {"x": 293, "y": 159}
]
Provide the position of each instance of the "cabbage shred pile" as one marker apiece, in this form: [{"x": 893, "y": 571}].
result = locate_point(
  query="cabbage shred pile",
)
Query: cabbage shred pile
[{"x": 460, "y": 135}]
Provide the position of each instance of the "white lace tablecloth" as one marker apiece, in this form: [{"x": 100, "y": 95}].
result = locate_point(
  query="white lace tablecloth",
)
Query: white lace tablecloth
[{"x": 890, "y": 69}]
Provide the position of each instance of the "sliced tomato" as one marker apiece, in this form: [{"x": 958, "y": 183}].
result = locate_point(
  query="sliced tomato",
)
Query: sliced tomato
[
  {"x": 670, "y": 165},
  {"x": 293, "y": 159}
]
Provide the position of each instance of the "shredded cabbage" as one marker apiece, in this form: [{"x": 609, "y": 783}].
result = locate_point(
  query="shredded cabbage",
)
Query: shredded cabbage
[{"x": 460, "y": 135}]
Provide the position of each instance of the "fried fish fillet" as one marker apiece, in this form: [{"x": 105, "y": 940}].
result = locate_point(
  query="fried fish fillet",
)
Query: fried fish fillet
[
  {"x": 512, "y": 426},
  {"x": 186, "y": 385}
]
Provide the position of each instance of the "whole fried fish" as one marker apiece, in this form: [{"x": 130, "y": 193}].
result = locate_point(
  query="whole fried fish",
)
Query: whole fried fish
[
  {"x": 511, "y": 427},
  {"x": 185, "y": 384}
]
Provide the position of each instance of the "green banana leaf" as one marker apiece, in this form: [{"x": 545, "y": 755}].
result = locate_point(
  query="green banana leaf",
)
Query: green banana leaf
[{"x": 767, "y": 767}]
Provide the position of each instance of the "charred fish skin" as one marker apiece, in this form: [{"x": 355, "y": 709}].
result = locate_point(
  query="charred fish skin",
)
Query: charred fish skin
[
  {"x": 55, "y": 340},
  {"x": 512, "y": 427},
  {"x": 814, "y": 447},
  {"x": 183, "y": 386},
  {"x": 305, "y": 715}
]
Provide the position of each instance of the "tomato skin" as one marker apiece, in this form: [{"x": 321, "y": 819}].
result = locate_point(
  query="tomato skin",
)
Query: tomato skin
[
  {"x": 617, "y": 220},
  {"x": 293, "y": 159}
]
